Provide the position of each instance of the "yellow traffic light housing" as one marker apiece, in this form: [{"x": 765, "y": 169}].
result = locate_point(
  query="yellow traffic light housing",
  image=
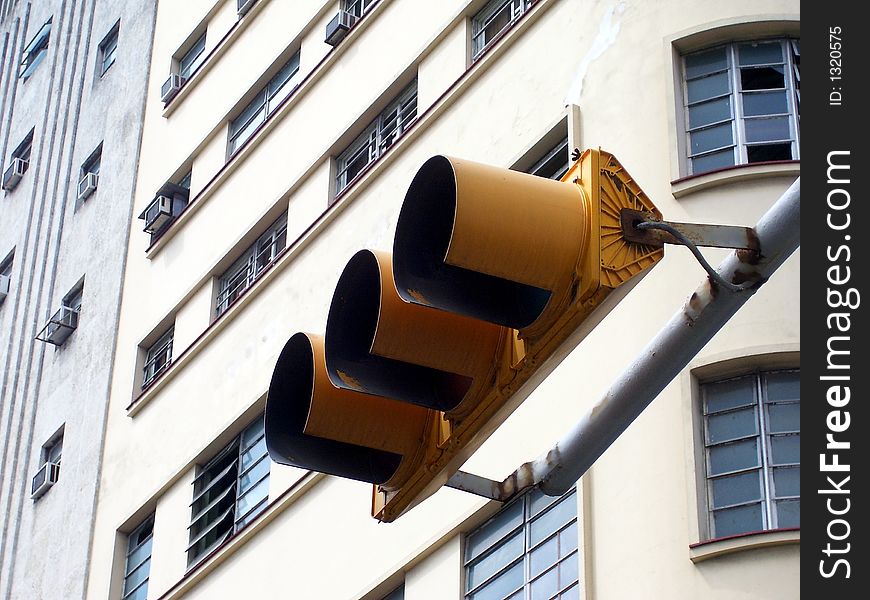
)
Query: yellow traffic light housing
[{"x": 494, "y": 274}]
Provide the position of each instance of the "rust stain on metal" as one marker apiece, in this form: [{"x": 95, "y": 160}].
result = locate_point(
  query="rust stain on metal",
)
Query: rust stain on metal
[
  {"x": 349, "y": 381},
  {"x": 417, "y": 296}
]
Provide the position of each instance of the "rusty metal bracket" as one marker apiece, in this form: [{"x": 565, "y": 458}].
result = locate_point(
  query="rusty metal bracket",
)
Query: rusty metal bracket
[{"x": 714, "y": 236}]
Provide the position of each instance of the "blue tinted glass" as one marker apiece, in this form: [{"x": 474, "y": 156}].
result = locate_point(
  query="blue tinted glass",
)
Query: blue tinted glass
[
  {"x": 786, "y": 481},
  {"x": 736, "y": 489},
  {"x": 788, "y": 513},
  {"x": 785, "y": 449},
  {"x": 734, "y": 457},
  {"x": 709, "y": 112},
  {"x": 742, "y": 519},
  {"x": 708, "y": 87},
  {"x": 764, "y": 130},
  {"x": 706, "y": 62},
  {"x": 713, "y": 161},
  {"x": 731, "y": 425}
]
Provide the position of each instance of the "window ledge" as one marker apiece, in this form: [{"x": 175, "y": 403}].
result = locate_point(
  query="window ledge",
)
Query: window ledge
[
  {"x": 738, "y": 543},
  {"x": 695, "y": 183}
]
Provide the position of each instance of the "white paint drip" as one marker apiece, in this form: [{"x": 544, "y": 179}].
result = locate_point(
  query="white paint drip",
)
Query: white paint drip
[{"x": 607, "y": 32}]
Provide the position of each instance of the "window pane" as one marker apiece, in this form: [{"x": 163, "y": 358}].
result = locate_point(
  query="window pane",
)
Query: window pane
[
  {"x": 736, "y": 489},
  {"x": 703, "y": 63},
  {"x": 711, "y": 138},
  {"x": 734, "y": 457},
  {"x": 788, "y": 513},
  {"x": 713, "y": 161},
  {"x": 544, "y": 556},
  {"x": 573, "y": 593},
  {"x": 762, "y": 130},
  {"x": 139, "y": 555},
  {"x": 760, "y": 53},
  {"x": 731, "y": 425},
  {"x": 545, "y": 586},
  {"x": 710, "y": 112},
  {"x": 786, "y": 481},
  {"x": 502, "y": 586},
  {"x": 569, "y": 570},
  {"x": 139, "y": 594},
  {"x": 765, "y": 103},
  {"x": 708, "y": 87},
  {"x": 784, "y": 417},
  {"x": 742, "y": 519},
  {"x": 499, "y": 558},
  {"x": 505, "y": 521},
  {"x": 568, "y": 539},
  {"x": 786, "y": 449},
  {"x": 784, "y": 385},
  {"x": 138, "y": 575},
  {"x": 253, "y": 497},
  {"x": 732, "y": 393},
  {"x": 769, "y": 152},
  {"x": 553, "y": 519},
  {"x": 762, "y": 78}
]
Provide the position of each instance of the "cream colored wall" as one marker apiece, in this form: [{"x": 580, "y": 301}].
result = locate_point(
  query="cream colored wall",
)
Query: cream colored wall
[{"x": 641, "y": 524}]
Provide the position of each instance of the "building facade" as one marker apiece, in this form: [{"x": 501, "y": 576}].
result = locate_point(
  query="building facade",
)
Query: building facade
[
  {"x": 279, "y": 139},
  {"x": 72, "y": 86}
]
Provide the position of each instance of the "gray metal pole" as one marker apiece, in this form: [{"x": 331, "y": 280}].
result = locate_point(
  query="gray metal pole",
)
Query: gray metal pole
[{"x": 688, "y": 331}]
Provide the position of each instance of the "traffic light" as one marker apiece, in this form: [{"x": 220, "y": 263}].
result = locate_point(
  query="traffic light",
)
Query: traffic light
[{"x": 495, "y": 276}]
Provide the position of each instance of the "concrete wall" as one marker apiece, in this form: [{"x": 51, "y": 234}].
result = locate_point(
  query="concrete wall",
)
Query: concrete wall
[
  {"x": 58, "y": 242},
  {"x": 615, "y": 63}
]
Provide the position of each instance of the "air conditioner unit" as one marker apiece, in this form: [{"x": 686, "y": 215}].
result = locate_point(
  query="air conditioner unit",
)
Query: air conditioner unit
[
  {"x": 4, "y": 287},
  {"x": 245, "y": 6},
  {"x": 44, "y": 479},
  {"x": 14, "y": 173},
  {"x": 59, "y": 326},
  {"x": 338, "y": 27},
  {"x": 171, "y": 87},
  {"x": 88, "y": 185},
  {"x": 167, "y": 204}
]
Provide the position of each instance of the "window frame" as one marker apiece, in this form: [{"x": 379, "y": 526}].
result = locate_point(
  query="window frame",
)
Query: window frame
[
  {"x": 483, "y": 18},
  {"x": 161, "y": 349},
  {"x": 6, "y": 266},
  {"x": 108, "y": 48},
  {"x": 230, "y": 460},
  {"x": 94, "y": 159},
  {"x": 193, "y": 58},
  {"x": 765, "y": 467},
  {"x": 253, "y": 262},
  {"x": 146, "y": 524},
  {"x": 35, "y": 51},
  {"x": 24, "y": 150},
  {"x": 264, "y": 103},
  {"x": 740, "y": 144},
  {"x": 357, "y": 7},
  {"x": 524, "y": 528},
  {"x": 377, "y": 137}
]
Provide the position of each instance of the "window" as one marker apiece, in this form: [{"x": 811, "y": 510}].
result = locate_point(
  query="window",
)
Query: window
[
  {"x": 528, "y": 550},
  {"x": 554, "y": 164},
  {"x": 192, "y": 59},
  {"x": 6, "y": 276},
  {"x": 263, "y": 104},
  {"x": 377, "y": 137},
  {"x": 89, "y": 174},
  {"x": 35, "y": 51},
  {"x": 49, "y": 466},
  {"x": 108, "y": 49},
  {"x": 752, "y": 452},
  {"x": 138, "y": 565},
  {"x": 244, "y": 272},
  {"x": 494, "y": 18},
  {"x": 358, "y": 7},
  {"x": 19, "y": 163},
  {"x": 92, "y": 164},
  {"x": 742, "y": 104},
  {"x": 66, "y": 320},
  {"x": 229, "y": 492},
  {"x": 158, "y": 357}
]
